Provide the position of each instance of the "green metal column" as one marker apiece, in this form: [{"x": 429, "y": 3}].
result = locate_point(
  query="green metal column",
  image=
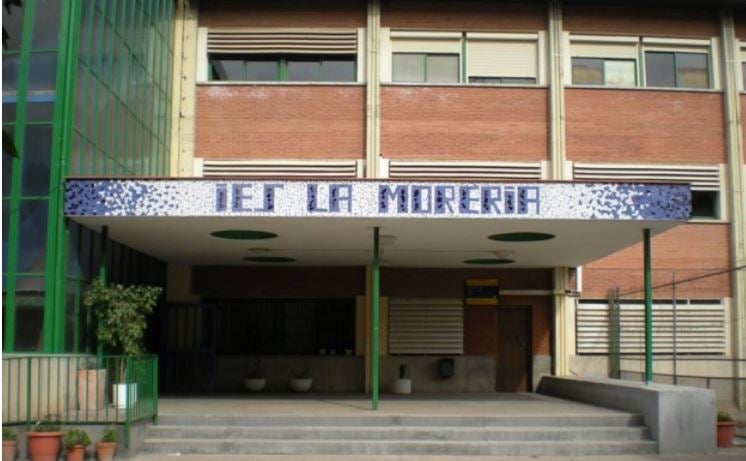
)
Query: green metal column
[
  {"x": 374, "y": 345},
  {"x": 102, "y": 274},
  {"x": 648, "y": 308}
]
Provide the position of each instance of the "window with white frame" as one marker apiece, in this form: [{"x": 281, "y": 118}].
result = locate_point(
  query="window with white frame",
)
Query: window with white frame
[
  {"x": 280, "y": 55},
  {"x": 654, "y": 62},
  {"x": 462, "y": 57}
]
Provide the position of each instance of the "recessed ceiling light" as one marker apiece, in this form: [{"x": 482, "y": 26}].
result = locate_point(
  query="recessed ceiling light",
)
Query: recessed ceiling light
[
  {"x": 521, "y": 237},
  {"x": 268, "y": 259},
  {"x": 488, "y": 261},
  {"x": 259, "y": 250},
  {"x": 238, "y": 234}
]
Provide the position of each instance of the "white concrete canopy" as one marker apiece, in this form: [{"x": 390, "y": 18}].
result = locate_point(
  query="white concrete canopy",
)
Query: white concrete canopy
[{"x": 165, "y": 222}]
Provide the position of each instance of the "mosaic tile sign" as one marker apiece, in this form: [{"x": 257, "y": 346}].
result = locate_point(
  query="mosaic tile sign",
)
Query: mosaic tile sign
[{"x": 378, "y": 199}]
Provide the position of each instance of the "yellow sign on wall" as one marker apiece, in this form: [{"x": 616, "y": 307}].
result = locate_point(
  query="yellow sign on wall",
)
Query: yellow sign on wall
[{"x": 481, "y": 292}]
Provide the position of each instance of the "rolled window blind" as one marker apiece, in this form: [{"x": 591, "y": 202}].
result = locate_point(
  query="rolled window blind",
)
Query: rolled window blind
[{"x": 282, "y": 41}]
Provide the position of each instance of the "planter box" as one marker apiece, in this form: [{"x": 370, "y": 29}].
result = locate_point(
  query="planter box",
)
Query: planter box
[
  {"x": 124, "y": 395},
  {"x": 91, "y": 386}
]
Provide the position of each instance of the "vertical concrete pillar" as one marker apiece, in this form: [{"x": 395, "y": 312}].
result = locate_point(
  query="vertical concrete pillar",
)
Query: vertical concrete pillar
[
  {"x": 735, "y": 169},
  {"x": 183, "y": 88},
  {"x": 556, "y": 92},
  {"x": 373, "y": 90},
  {"x": 563, "y": 325}
]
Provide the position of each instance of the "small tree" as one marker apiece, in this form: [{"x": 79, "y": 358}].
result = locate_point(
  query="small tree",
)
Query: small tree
[{"x": 121, "y": 314}]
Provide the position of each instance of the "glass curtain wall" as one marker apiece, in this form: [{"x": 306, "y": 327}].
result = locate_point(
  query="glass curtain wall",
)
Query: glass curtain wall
[{"x": 86, "y": 91}]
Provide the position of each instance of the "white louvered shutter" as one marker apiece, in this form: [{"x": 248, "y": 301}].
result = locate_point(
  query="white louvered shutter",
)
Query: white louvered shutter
[{"x": 426, "y": 326}]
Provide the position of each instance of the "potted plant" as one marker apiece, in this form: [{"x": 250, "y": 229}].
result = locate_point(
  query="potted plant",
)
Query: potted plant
[
  {"x": 91, "y": 385},
  {"x": 300, "y": 380},
  {"x": 10, "y": 444},
  {"x": 255, "y": 380},
  {"x": 403, "y": 385},
  {"x": 107, "y": 446},
  {"x": 121, "y": 315},
  {"x": 44, "y": 440},
  {"x": 726, "y": 429},
  {"x": 75, "y": 442}
]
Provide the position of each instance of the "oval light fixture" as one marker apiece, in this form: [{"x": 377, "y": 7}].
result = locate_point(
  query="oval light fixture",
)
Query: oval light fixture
[
  {"x": 268, "y": 259},
  {"x": 521, "y": 237},
  {"x": 488, "y": 261},
  {"x": 239, "y": 234}
]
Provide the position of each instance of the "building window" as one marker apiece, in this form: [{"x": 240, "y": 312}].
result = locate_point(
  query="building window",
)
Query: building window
[
  {"x": 426, "y": 68},
  {"x": 288, "y": 68},
  {"x": 676, "y": 70},
  {"x": 502, "y": 58},
  {"x": 743, "y": 76},
  {"x": 705, "y": 204},
  {"x": 607, "y": 72}
]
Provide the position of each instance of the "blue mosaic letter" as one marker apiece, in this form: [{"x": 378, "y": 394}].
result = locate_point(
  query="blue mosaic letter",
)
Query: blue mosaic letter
[
  {"x": 336, "y": 196},
  {"x": 240, "y": 195},
  {"x": 385, "y": 194},
  {"x": 221, "y": 197},
  {"x": 269, "y": 196}
]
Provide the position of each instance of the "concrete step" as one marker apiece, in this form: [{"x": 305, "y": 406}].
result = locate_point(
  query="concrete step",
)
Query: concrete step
[
  {"x": 444, "y": 433},
  {"x": 596, "y": 420},
  {"x": 395, "y": 447}
]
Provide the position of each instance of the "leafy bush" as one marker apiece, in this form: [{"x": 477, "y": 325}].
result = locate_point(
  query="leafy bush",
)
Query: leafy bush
[
  {"x": 51, "y": 423},
  {"x": 74, "y": 437},
  {"x": 9, "y": 435},
  {"x": 724, "y": 417},
  {"x": 109, "y": 436}
]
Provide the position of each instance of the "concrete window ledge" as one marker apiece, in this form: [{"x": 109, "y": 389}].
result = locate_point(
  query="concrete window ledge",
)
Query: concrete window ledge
[{"x": 681, "y": 419}]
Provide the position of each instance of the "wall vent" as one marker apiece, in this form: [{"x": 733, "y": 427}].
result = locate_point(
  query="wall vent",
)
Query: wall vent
[
  {"x": 706, "y": 177},
  {"x": 401, "y": 169},
  {"x": 279, "y": 168},
  {"x": 275, "y": 41}
]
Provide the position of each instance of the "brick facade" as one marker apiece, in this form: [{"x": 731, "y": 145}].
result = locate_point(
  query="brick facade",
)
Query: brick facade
[
  {"x": 690, "y": 250},
  {"x": 458, "y": 123},
  {"x": 278, "y": 121},
  {"x": 644, "y": 126},
  {"x": 282, "y": 13},
  {"x": 460, "y": 15},
  {"x": 626, "y": 20}
]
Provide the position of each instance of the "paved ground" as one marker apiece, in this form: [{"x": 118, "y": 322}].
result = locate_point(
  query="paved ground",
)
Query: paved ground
[
  {"x": 730, "y": 454},
  {"x": 507, "y": 404}
]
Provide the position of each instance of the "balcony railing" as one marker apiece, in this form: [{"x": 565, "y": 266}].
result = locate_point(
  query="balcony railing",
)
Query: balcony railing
[{"x": 79, "y": 389}]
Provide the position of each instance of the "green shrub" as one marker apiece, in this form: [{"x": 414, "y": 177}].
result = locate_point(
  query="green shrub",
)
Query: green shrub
[
  {"x": 75, "y": 437},
  {"x": 9, "y": 435},
  {"x": 109, "y": 436},
  {"x": 724, "y": 417},
  {"x": 51, "y": 423}
]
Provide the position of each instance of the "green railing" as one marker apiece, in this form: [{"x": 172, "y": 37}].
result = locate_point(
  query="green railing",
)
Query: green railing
[{"x": 80, "y": 389}]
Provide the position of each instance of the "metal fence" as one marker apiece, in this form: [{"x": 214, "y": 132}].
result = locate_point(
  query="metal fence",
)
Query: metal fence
[{"x": 79, "y": 389}]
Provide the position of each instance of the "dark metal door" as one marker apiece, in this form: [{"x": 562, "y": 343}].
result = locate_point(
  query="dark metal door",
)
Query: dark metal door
[{"x": 187, "y": 358}]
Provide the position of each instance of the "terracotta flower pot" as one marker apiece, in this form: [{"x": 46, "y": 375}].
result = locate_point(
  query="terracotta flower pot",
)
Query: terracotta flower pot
[
  {"x": 105, "y": 450},
  {"x": 726, "y": 431},
  {"x": 9, "y": 450},
  {"x": 43, "y": 446},
  {"x": 76, "y": 453}
]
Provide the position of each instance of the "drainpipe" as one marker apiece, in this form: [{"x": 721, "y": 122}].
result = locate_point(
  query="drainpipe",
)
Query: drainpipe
[
  {"x": 374, "y": 340},
  {"x": 648, "y": 307}
]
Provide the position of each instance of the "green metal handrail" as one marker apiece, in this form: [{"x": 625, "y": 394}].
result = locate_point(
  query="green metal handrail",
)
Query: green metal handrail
[{"x": 80, "y": 389}]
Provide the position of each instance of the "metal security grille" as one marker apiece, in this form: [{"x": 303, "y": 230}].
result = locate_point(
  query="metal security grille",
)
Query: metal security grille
[
  {"x": 400, "y": 169},
  {"x": 706, "y": 177},
  {"x": 280, "y": 41},
  {"x": 280, "y": 168},
  {"x": 700, "y": 327},
  {"x": 426, "y": 326}
]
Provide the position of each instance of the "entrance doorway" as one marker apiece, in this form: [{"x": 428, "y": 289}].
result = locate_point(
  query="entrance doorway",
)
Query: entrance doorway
[{"x": 512, "y": 370}]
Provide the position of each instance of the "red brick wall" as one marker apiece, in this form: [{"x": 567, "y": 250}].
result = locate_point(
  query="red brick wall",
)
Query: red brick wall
[
  {"x": 265, "y": 121},
  {"x": 740, "y": 23},
  {"x": 644, "y": 126},
  {"x": 282, "y": 13},
  {"x": 690, "y": 250},
  {"x": 640, "y": 21},
  {"x": 463, "y": 15},
  {"x": 457, "y": 123}
]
